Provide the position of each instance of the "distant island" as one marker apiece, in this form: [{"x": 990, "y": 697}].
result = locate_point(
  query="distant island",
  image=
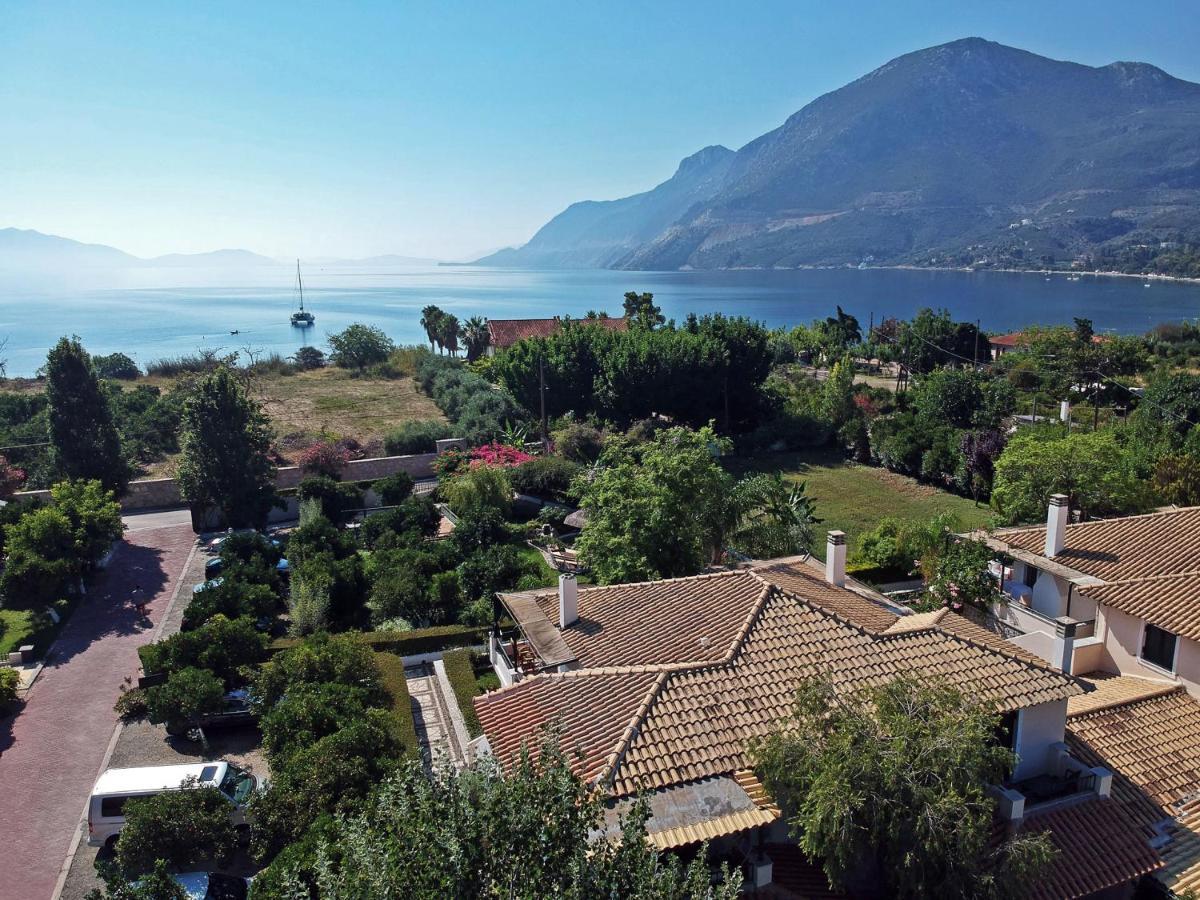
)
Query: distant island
[{"x": 966, "y": 155}]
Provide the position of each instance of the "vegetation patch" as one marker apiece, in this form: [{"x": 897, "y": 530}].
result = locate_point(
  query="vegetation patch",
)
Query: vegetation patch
[
  {"x": 391, "y": 675},
  {"x": 460, "y": 670}
]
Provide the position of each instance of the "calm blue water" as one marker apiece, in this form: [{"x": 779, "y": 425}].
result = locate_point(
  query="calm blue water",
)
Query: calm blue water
[{"x": 152, "y": 313}]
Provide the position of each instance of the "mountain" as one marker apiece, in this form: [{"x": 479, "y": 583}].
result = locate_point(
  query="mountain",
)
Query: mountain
[
  {"x": 20, "y": 249},
  {"x": 598, "y": 233},
  {"x": 966, "y": 153},
  {"x": 385, "y": 260},
  {"x": 225, "y": 259}
]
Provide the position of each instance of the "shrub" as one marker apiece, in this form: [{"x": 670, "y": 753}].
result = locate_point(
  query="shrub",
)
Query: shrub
[
  {"x": 309, "y": 358},
  {"x": 359, "y": 346},
  {"x": 461, "y": 674},
  {"x": 401, "y": 583},
  {"x": 232, "y": 598},
  {"x": 131, "y": 705},
  {"x": 337, "y": 500},
  {"x": 417, "y": 436},
  {"x": 545, "y": 476},
  {"x": 499, "y": 455},
  {"x": 406, "y": 643},
  {"x": 318, "y": 659},
  {"x": 323, "y": 458},
  {"x": 490, "y": 570},
  {"x": 405, "y": 525},
  {"x": 187, "y": 694},
  {"x": 394, "y": 489},
  {"x": 579, "y": 442},
  {"x": 116, "y": 365},
  {"x": 395, "y": 682},
  {"x": 487, "y": 414},
  {"x": 222, "y": 646},
  {"x": 477, "y": 530},
  {"x": 9, "y": 681},
  {"x": 307, "y": 713},
  {"x": 179, "y": 827}
]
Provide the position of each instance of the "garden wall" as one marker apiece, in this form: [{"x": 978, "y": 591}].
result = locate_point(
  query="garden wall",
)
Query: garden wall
[{"x": 158, "y": 493}]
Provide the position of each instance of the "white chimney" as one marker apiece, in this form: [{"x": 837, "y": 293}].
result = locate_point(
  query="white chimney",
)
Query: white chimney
[
  {"x": 1056, "y": 525},
  {"x": 835, "y": 558},
  {"x": 1064, "y": 643},
  {"x": 568, "y": 601}
]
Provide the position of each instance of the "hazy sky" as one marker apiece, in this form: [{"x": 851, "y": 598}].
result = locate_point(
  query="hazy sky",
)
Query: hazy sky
[{"x": 441, "y": 128}]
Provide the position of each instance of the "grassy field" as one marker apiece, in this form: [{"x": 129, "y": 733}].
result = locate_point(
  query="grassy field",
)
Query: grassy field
[{"x": 853, "y": 498}]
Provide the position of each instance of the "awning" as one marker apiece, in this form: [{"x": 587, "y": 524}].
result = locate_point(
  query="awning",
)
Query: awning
[{"x": 542, "y": 634}]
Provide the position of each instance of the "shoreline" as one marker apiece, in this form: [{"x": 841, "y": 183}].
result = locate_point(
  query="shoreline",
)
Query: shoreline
[{"x": 1094, "y": 273}]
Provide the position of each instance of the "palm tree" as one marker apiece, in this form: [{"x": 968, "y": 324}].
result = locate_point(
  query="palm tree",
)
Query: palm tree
[
  {"x": 775, "y": 518},
  {"x": 474, "y": 333},
  {"x": 448, "y": 333},
  {"x": 431, "y": 319}
]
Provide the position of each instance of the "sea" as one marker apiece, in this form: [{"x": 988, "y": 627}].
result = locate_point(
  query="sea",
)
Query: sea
[{"x": 151, "y": 313}]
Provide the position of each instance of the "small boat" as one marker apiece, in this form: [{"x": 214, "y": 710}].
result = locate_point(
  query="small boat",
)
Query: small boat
[
  {"x": 301, "y": 318},
  {"x": 1147, "y": 284}
]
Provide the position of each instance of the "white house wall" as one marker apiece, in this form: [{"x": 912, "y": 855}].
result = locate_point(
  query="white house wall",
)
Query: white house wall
[
  {"x": 1122, "y": 644},
  {"x": 1037, "y": 728}
]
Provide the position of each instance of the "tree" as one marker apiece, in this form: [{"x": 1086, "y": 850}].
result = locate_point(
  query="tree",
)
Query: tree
[
  {"x": 891, "y": 783},
  {"x": 656, "y": 510},
  {"x": 476, "y": 337},
  {"x": 933, "y": 339},
  {"x": 775, "y": 517},
  {"x": 359, "y": 346},
  {"x": 431, "y": 321},
  {"x": 960, "y": 575},
  {"x": 1092, "y": 469},
  {"x": 980, "y": 450},
  {"x": 226, "y": 444},
  {"x": 187, "y": 694},
  {"x": 83, "y": 438},
  {"x": 641, "y": 311},
  {"x": 94, "y": 515},
  {"x": 116, "y": 365},
  {"x": 309, "y": 358},
  {"x": 42, "y": 563},
  {"x": 479, "y": 488},
  {"x": 179, "y": 827},
  {"x": 225, "y": 647},
  {"x": 1177, "y": 479},
  {"x": 448, "y": 333},
  {"x": 479, "y": 833},
  {"x": 156, "y": 884},
  {"x": 319, "y": 659}
]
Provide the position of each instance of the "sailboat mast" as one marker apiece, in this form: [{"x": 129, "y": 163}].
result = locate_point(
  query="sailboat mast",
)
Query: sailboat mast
[{"x": 300, "y": 282}]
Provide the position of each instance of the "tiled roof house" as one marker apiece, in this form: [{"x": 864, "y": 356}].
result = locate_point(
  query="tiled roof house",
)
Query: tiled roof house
[
  {"x": 659, "y": 687},
  {"x": 503, "y": 333}
]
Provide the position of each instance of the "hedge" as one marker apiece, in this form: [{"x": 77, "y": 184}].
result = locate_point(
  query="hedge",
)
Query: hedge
[
  {"x": 409, "y": 643},
  {"x": 461, "y": 674},
  {"x": 391, "y": 674}
]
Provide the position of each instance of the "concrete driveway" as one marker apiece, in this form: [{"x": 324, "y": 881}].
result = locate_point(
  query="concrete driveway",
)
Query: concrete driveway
[{"x": 52, "y": 751}]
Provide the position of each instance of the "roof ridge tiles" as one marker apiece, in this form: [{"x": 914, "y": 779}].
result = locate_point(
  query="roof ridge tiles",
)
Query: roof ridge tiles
[
  {"x": 609, "y": 769},
  {"x": 1154, "y": 691},
  {"x": 1161, "y": 576},
  {"x": 1162, "y": 511}
]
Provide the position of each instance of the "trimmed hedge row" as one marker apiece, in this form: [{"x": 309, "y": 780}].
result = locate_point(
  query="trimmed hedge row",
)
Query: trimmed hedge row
[
  {"x": 391, "y": 674},
  {"x": 408, "y": 643},
  {"x": 461, "y": 674}
]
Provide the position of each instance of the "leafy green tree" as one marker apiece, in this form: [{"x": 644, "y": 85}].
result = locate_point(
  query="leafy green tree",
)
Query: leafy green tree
[
  {"x": 84, "y": 440},
  {"x": 394, "y": 489},
  {"x": 226, "y": 444},
  {"x": 837, "y": 392},
  {"x": 656, "y": 510},
  {"x": 318, "y": 659},
  {"x": 232, "y": 598},
  {"x": 775, "y": 517},
  {"x": 448, "y": 330},
  {"x": 477, "y": 833},
  {"x": 187, "y": 694},
  {"x": 963, "y": 398},
  {"x": 891, "y": 782},
  {"x": 42, "y": 564},
  {"x": 1177, "y": 479},
  {"x": 1092, "y": 469},
  {"x": 400, "y": 585},
  {"x": 307, "y": 713},
  {"x": 225, "y": 647},
  {"x": 478, "y": 489},
  {"x": 179, "y": 827},
  {"x": 359, "y": 346},
  {"x": 960, "y": 575},
  {"x": 309, "y": 358},
  {"x": 116, "y": 365},
  {"x": 476, "y": 337},
  {"x": 933, "y": 339},
  {"x": 94, "y": 514},
  {"x": 641, "y": 310},
  {"x": 490, "y": 570}
]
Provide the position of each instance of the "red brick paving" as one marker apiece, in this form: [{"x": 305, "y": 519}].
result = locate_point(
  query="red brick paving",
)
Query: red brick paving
[{"x": 50, "y": 758}]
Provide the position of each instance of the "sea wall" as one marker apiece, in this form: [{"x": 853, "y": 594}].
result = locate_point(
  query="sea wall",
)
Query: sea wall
[{"x": 160, "y": 493}]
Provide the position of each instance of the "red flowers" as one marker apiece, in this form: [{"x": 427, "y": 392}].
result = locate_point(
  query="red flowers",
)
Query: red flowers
[{"x": 499, "y": 455}]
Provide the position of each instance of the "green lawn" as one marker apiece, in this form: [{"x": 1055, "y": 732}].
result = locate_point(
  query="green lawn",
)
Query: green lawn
[
  {"x": 16, "y": 628},
  {"x": 853, "y": 498}
]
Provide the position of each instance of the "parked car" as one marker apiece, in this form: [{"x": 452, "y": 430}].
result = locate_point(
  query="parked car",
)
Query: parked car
[
  {"x": 114, "y": 788},
  {"x": 212, "y": 885},
  {"x": 235, "y": 713}
]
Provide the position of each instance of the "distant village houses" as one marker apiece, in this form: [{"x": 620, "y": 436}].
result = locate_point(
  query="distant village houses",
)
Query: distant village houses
[{"x": 503, "y": 333}]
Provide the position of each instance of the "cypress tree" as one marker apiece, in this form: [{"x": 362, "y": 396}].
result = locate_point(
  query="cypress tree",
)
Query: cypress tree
[{"x": 83, "y": 438}]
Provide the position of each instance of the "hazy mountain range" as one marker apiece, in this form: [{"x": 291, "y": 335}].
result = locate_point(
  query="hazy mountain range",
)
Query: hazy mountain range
[
  {"x": 32, "y": 250},
  {"x": 962, "y": 152}
]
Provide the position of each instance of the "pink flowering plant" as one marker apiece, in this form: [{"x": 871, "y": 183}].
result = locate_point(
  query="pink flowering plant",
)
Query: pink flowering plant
[{"x": 497, "y": 455}]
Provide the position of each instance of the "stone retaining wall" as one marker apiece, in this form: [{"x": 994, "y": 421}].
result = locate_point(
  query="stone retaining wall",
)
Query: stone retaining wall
[{"x": 157, "y": 493}]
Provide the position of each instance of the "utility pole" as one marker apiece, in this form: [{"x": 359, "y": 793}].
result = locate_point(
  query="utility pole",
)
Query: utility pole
[
  {"x": 542, "y": 398},
  {"x": 976, "y": 354}
]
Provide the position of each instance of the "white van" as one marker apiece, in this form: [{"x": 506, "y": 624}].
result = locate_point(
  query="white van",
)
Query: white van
[{"x": 106, "y": 811}]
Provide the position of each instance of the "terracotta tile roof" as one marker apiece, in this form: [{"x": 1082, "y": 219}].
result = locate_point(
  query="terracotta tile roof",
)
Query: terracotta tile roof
[
  {"x": 592, "y": 713},
  {"x": 1131, "y": 547},
  {"x": 683, "y": 716},
  {"x": 1168, "y": 601},
  {"x": 1007, "y": 340},
  {"x": 699, "y": 722},
  {"x": 656, "y": 622},
  {"x": 1097, "y": 849},
  {"x": 506, "y": 332},
  {"x": 1110, "y": 690},
  {"x": 1152, "y": 739},
  {"x": 1181, "y": 857},
  {"x": 794, "y": 875}
]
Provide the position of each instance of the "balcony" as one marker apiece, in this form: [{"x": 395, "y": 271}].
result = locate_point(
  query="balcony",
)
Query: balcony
[
  {"x": 511, "y": 656},
  {"x": 1065, "y": 781}
]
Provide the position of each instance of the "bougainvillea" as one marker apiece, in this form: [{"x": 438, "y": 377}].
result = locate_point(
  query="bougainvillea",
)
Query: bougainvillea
[
  {"x": 11, "y": 478},
  {"x": 502, "y": 456},
  {"x": 323, "y": 458}
]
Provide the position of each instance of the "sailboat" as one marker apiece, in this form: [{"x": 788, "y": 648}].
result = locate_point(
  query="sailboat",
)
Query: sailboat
[{"x": 301, "y": 318}]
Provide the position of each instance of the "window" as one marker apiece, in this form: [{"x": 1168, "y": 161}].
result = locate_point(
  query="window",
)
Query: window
[
  {"x": 1158, "y": 647},
  {"x": 1031, "y": 576},
  {"x": 112, "y": 807}
]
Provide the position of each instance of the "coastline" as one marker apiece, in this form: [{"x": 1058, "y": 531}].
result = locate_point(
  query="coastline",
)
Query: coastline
[{"x": 1095, "y": 273}]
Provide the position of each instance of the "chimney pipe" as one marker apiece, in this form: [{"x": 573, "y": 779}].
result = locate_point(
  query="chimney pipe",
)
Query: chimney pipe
[
  {"x": 568, "y": 601},
  {"x": 835, "y": 558},
  {"x": 1064, "y": 643},
  {"x": 1056, "y": 525}
]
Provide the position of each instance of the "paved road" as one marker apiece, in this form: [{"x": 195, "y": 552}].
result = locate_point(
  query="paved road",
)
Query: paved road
[
  {"x": 156, "y": 518},
  {"x": 51, "y": 753}
]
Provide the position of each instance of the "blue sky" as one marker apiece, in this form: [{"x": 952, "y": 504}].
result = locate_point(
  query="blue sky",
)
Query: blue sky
[{"x": 441, "y": 128}]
